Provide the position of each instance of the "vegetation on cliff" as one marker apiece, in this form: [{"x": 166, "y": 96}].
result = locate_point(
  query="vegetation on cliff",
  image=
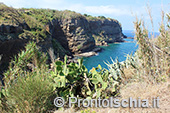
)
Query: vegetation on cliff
[
  {"x": 66, "y": 32},
  {"x": 38, "y": 19}
]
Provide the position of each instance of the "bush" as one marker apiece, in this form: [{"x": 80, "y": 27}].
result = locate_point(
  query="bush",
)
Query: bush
[
  {"x": 151, "y": 61},
  {"x": 153, "y": 58},
  {"x": 30, "y": 94},
  {"x": 74, "y": 80},
  {"x": 30, "y": 60},
  {"x": 27, "y": 84},
  {"x": 30, "y": 83}
]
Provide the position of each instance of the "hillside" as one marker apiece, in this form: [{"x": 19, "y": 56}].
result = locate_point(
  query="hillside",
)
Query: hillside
[{"x": 66, "y": 32}]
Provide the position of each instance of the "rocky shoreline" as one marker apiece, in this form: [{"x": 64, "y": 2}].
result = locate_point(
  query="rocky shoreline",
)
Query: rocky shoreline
[
  {"x": 90, "y": 53},
  {"x": 95, "y": 51}
]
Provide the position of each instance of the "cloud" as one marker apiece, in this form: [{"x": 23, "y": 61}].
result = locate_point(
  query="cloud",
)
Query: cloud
[
  {"x": 13, "y": 3},
  {"x": 52, "y": 4},
  {"x": 101, "y": 10},
  {"x": 81, "y": 8},
  {"x": 64, "y": 4},
  {"x": 34, "y": 3}
]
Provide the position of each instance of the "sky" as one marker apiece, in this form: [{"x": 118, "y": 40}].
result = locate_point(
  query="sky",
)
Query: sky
[{"x": 125, "y": 11}]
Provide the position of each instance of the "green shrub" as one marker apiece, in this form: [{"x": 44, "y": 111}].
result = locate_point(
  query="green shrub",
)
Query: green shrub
[
  {"x": 30, "y": 94},
  {"x": 102, "y": 17},
  {"x": 30, "y": 83},
  {"x": 74, "y": 80},
  {"x": 29, "y": 60},
  {"x": 27, "y": 84}
]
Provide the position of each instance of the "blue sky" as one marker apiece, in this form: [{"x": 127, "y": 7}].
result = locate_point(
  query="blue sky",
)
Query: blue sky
[{"x": 122, "y": 10}]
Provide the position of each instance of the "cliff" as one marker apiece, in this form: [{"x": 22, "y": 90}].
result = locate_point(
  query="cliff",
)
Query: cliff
[
  {"x": 106, "y": 31},
  {"x": 67, "y": 32},
  {"x": 81, "y": 34},
  {"x": 73, "y": 34}
]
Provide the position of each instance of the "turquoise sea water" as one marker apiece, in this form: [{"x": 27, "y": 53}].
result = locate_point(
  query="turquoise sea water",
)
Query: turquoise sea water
[{"x": 112, "y": 51}]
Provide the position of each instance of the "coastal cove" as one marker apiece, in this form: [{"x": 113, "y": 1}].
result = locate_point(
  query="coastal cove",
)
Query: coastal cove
[{"x": 114, "y": 50}]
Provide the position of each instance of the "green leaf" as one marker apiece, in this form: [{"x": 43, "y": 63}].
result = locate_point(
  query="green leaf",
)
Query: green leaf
[
  {"x": 113, "y": 89},
  {"x": 93, "y": 71},
  {"x": 65, "y": 70},
  {"x": 100, "y": 67},
  {"x": 104, "y": 85},
  {"x": 61, "y": 74},
  {"x": 59, "y": 63},
  {"x": 52, "y": 74},
  {"x": 94, "y": 80},
  {"x": 99, "y": 78},
  {"x": 65, "y": 60},
  {"x": 80, "y": 61},
  {"x": 59, "y": 68},
  {"x": 89, "y": 92},
  {"x": 56, "y": 80},
  {"x": 98, "y": 93},
  {"x": 72, "y": 73}
]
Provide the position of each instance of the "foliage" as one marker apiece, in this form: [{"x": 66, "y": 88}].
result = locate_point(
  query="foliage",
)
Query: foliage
[
  {"x": 60, "y": 51},
  {"x": 102, "y": 17},
  {"x": 27, "y": 86},
  {"x": 9, "y": 15},
  {"x": 153, "y": 58},
  {"x": 30, "y": 94},
  {"x": 35, "y": 24},
  {"x": 29, "y": 76},
  {"x": 150, "y": 62},
  {"x": 29, "y": 60},
  {"x": 67, "y": 14},
  {"x": 37, "y": 21},
  {"x": 146, "y": 51},
  {"x": 74, "y": 80},
  {"x": 101, "y": 37},
  {"x": 30, "y": 83}
]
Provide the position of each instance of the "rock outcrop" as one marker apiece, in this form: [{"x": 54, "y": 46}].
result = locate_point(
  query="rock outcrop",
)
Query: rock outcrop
[
  {"x": 13, "y": 28},
  {"x": 81, "y": 35},
  {"x": 73, "y": 34},
  {"x": 66, "y": 32},
  {"x": 106, "y": 31}
]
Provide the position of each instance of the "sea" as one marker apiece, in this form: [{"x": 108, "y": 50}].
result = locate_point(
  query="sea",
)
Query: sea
[{"x": 113, "y": 51}]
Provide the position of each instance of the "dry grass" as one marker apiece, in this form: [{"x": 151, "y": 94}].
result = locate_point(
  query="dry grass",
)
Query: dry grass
[{"x": 144, "y": 91}]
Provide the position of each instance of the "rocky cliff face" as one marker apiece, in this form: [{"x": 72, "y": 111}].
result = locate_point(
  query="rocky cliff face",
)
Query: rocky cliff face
[
  {"x": 81, "y": 35},
  {"x": 13, "y": 28},
  {"x": 106, "y": 30},
  {"x": 73, "y": 34},
  {"x": 66, "y": 32}
]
